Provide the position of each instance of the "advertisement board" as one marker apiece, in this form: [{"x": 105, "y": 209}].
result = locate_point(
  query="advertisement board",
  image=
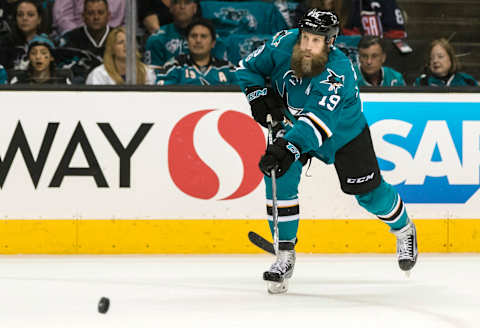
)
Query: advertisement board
[{"x": 82, "y": 162}]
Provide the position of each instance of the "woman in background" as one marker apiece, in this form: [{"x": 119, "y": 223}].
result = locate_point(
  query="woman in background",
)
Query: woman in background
[
  {"x": 27, "y": 24},
  {"x": 442, "y": 68},
  {"x": 113, "y": 69}
]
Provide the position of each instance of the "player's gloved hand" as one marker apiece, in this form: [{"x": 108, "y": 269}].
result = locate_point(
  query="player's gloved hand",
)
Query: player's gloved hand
[
  {"x": 264, "y": 101},
  {"x": 279, "y": 156}
]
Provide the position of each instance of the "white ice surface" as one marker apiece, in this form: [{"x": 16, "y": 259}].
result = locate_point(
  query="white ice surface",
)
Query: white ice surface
[{"x": 331, "y": 291}]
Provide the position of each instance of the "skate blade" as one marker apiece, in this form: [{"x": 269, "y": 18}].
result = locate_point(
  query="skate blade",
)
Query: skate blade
[
  {"x": 277, "y": 287},
  {"x": 407, "y": 273}
]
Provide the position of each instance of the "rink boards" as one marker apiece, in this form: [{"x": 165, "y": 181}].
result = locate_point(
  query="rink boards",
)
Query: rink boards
[{"x": 176, "y": 172}]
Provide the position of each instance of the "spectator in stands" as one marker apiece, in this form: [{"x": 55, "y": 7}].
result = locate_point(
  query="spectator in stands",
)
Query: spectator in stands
[
  {"x": 371, "y": 17},
  {"x": 169, "y": 41},
  {"x": 93, "y": 34},
  {"x": 371, "y": 72},
  {"x": 8, "y": 15},
  {"x": 83, "y": 48},
  {"x": 70, "y": 14},
  {"x": 113, "y": 69},
  {"x": 3, "y": 75},
  {"x": 199, "y": 67},
  {"x": 41, "y": 68},
  {"x": 244, "y": 17},
  {"x": 154, "y": 13},
  {"x": 442, "y": 68},
  {"x": 28, "y": 23}
]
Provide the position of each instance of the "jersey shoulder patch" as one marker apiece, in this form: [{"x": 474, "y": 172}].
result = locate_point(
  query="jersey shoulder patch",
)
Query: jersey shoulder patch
[{"x": 284, "y": 34}]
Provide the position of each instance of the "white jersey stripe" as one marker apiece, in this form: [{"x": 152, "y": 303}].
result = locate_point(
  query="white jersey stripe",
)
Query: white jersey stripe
[
  {"x": 289, "y": 218},
  {"x": 317, "y": 120},
  {"x": 284, "y": 203},
  {"x": 315, "y": 130},
  {"x": 395, "y": 209}
]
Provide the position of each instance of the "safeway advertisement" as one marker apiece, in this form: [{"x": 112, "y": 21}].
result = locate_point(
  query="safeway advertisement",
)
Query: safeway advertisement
[{"x": 194, "y": 155}]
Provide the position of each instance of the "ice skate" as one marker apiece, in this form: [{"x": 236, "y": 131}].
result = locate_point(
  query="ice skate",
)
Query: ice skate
[
  {"x": 407, "y": 251},
  {"x": 281, "y": 270}
]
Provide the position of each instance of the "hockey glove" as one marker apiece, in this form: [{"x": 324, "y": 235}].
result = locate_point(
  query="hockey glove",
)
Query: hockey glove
[
  {"x": 264, "y": 101},
  {"x": 279, "y": 156}
]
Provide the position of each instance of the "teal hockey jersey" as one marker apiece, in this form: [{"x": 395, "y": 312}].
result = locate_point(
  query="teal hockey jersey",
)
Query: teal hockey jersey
[
  {"x": 243, "y": 17},
  {"x": 183, "y": 71},
  {"x": 454, "y": 80},
  {"x": 325, "y": 111},
  {"x": 390, "y": 78},
  {"x": 240, "y": 45},
  {"x": 169, "y": 42}
]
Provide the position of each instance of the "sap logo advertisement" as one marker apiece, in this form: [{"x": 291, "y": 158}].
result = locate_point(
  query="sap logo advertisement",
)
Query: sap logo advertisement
[{"x": 430, "y": 151}]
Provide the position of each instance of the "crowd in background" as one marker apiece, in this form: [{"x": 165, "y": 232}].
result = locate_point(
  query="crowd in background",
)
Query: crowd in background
[{"x": 195, "y": 42}]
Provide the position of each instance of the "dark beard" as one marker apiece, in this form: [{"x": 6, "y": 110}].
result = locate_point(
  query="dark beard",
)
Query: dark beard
[{"x": 306, "y": 68}]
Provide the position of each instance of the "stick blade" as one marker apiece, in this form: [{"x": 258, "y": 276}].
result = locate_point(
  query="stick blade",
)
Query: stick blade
[{"x": 261, "y": 242}]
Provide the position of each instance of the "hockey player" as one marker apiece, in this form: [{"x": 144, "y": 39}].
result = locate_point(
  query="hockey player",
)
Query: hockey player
[
  {"x": 199, "y": 67},
  {"x": 323, "y": 120},
  {"x": 371, "y": 72}
]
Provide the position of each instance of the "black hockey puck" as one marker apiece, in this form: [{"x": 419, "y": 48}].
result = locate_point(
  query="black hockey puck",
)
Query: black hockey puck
[{"x": 103, "y": 305}]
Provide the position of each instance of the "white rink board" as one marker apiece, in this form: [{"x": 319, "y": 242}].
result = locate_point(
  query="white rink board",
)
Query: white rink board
[{"x": 152, "y": 193}]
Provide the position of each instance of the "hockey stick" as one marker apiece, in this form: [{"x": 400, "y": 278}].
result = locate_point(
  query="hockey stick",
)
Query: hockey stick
[
  {"x": 261, "y": 242},
  {"x": 255, "y": 238},
  {"x": 274, "y": 188}
]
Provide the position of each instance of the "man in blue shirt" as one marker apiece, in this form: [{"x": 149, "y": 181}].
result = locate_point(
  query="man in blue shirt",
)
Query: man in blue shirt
[{"x": 323, "y": 119}]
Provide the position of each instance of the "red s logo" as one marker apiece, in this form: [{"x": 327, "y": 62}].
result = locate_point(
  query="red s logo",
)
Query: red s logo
[{"x": 192, "y": 175}]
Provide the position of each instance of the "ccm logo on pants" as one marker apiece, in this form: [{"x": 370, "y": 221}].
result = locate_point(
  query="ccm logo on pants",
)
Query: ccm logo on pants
[{"x": 361, "y": 179}]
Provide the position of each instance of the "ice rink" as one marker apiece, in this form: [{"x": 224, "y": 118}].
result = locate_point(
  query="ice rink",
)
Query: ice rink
[{"x": 331, "y": 291}]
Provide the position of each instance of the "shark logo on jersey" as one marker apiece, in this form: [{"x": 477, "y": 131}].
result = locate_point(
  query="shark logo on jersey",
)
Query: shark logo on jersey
[
  {"x": 279, "y": 36},
  {"x": 174, "y": 45},
  {"x": 333, "y": 80},
  {"x": 250, "y": 44},
  {"x": 240, "y": 17}
]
